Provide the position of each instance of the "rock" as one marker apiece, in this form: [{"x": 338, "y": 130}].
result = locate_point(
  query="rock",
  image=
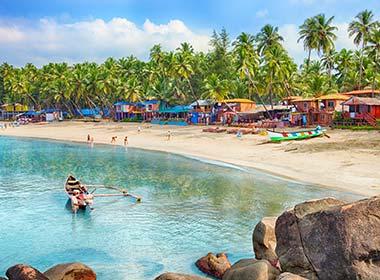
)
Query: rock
[
  {"x": 24, "y": 272},
  {"x": 2, "y": 278},
  {"x": 251, "y": 269},
  {"x": 289, "y": 246},
  {"x": 178, "y": 276},
  {"x": 264, "y": 240},
  {"x": 70, "y": 271},
  {"x": 315, "y": 205},
  {"x": 290, "y": 276},
  {"x": 338, "y": 242},
  {"x": 213, "y": 265}
]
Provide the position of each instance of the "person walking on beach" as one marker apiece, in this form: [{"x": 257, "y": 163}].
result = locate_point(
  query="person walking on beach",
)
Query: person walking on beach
[
  {"x": 88, "y": 138},
  {"x": 139, "y": 129},
  {"x": 125, "y": 141},
  {"x": 113, "y": 139},
  {"x": 169, "y": 134}
]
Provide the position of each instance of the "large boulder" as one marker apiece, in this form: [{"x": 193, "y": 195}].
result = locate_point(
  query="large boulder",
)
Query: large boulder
[
  {"x": 290, "y": 276},
  {"x": 340, "y": 241},
  {"x": 251, "y": 269},
  {"x": 24, "y": 272},
  {"x": 70, "y": 271},
  {"x": 178, "y": 276},
  {"x": 289, "y": 246},
  {"x": 264, "y": 240},
  {"x": 213, "y": 265}
]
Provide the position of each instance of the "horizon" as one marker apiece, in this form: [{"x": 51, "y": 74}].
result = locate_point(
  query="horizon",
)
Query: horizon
[{"x": 66, "y": 31}]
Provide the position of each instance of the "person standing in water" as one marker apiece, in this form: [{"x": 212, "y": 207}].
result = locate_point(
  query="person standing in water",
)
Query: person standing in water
[
  {"x": 113, "y": 139},
  {"x": 125, "y": 141}
]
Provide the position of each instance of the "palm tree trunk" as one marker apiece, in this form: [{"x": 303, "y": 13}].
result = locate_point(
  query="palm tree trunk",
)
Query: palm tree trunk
[
  {"x": 361, "y": 66},
  {"x": 308, "y": 59},
  {"x": 270, "y": 92}
]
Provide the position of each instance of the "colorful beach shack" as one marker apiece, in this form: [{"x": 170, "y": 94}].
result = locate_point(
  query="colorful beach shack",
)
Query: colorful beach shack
[
  {"x": 125, "y": 110},
  {"x": 363, "y": 109},
  {"x": 202, "y": 112},
  {"x": 12, "y": 110}
]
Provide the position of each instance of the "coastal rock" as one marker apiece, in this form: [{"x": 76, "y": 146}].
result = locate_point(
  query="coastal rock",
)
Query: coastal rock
[
  {"x": 70, "y": 271},
  {"x": 264, "y": 240},
  {"x": 24, "y": 272},
  {"x": 289, "y": 246},
  {"x": 213, "y": 265},
  {"x": 2, "y": 278},
  {"x": 251, "y": 269},
  {"x": 338, "y": 242},
  {"x": 178, "y": 276},
  {"x": 290, "y": 276}
]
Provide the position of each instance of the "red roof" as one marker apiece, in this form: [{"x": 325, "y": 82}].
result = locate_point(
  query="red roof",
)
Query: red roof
[
  {"x": 362, "y": 101},
  {"x": 362, "y": 92}
]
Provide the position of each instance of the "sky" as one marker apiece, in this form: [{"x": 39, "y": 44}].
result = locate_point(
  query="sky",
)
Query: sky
[{"x": 74, "y": 31}]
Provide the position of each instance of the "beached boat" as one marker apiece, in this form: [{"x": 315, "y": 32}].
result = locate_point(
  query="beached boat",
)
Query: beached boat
[{"x": 295, "y": 135}]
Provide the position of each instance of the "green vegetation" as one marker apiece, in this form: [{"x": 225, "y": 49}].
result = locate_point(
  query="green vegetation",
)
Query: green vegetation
[{"x": 248, "y": 67}]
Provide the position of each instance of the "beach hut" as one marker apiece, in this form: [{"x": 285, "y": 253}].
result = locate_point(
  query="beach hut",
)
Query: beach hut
[
  {"x": 202, "y": 112},
  {"x": 52, "y": 114},
  {"x": 363, "y": 109},
  {"x": 363, "y": 93},
  {"x": 172, "y": 115},
  {"x": 150, "y": 108},
  {"x": 332, "y": 102},
  {"x": 240, "y": 104}
]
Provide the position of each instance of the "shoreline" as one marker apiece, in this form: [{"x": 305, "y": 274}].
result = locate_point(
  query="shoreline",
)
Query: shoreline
[{"x": 318, "y": 167}]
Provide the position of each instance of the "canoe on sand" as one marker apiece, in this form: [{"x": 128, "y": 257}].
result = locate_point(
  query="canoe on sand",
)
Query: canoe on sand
[{"x": 295, "y": 135}]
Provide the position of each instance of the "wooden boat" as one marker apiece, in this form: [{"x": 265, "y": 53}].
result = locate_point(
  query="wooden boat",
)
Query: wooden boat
[
  {"x": 72, "y": 187},
  {"x": 80, "y": 198},
  {"x": 295, "y": 135}
]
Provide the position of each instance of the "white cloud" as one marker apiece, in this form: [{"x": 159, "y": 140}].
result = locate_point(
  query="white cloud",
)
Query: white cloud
[
  {"x": 92, "y": 40},
  {"x": 262, "y": 13},
  {"x": 290, "y": 34}
]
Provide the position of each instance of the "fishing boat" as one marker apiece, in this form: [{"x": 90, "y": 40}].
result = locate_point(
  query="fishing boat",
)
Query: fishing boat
[
  {"x": 295, "y": 135},
  {"x": 73, "y": 189},
  {"x": 80, "y": 198}
]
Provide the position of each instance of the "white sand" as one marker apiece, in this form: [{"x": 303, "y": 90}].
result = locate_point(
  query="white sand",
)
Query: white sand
[{"x": 349, "y": 161}]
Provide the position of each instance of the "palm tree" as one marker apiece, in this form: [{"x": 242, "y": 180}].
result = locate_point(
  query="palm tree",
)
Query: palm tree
[
  {"x": 309, "y": 36},
  {"x": 215, "y": 88},
  {"x": 328, "y": 61},
  {"x": 373, "y": 50},
  {"x": 360, "y": 29},
  {"x": 325, "y": 31},
  {"x": 246, "y": 56},
  {"x": 268, "y": 38}
]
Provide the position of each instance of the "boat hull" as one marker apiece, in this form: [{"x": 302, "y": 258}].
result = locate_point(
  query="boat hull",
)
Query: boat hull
[{"x": 296, "y": 135}]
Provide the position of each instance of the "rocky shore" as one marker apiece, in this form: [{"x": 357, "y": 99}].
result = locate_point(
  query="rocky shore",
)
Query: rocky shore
[{"x": 316, "y": 240}]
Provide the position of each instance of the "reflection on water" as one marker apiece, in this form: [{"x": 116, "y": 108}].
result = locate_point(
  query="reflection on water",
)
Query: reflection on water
[{"x": 189, "y": 208}]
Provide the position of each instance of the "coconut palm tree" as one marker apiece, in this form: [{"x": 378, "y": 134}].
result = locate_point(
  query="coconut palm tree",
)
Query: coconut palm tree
[
  {"x": 326, "y": 35},
  {"x": 247, "y": 59},
  {"x": 308, "y": 34},
  {"x": 360, "y": 28},
  {"x": 215, "y": 88},
  {"x": 373, "y": 51},
  {"x": 267, "y": 38}
]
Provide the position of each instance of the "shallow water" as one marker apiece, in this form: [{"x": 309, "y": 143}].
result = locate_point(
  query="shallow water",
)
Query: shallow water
[{"x": 189, "y": 208}]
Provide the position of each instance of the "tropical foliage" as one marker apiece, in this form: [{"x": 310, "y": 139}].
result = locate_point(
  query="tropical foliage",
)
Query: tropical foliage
[{"x": 251, "y": 66}]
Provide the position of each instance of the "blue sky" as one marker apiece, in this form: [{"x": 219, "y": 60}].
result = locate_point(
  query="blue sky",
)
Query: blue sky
[{"x": 41, "y": 31}]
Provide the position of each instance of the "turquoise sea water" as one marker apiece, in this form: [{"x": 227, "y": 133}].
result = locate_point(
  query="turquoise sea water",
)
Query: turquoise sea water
[{"x": 189, "y": 208}]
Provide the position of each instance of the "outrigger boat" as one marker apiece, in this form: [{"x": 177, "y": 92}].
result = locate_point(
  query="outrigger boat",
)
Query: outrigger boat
[
  {"x": 295, "y": 135},
  {"x": 80, "y": 197}
]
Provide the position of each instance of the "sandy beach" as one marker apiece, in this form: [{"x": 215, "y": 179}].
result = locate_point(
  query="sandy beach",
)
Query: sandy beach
[{"x": 347, "y": 161}]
